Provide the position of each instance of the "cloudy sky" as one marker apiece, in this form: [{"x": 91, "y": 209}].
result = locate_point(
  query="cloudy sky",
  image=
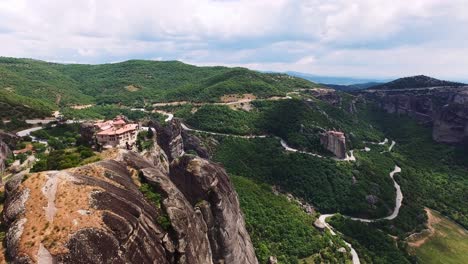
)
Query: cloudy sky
[{"x": 361, "y": 38}]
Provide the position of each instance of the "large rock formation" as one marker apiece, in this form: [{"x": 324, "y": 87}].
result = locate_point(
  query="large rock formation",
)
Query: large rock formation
[
  {"x": 6, "y": 140},
  {"x": 98, "y": 214},
  {"x": 335, "y": 142},
  {"x": 445, "y": 108},
  {"x": 4, "y": 153}
]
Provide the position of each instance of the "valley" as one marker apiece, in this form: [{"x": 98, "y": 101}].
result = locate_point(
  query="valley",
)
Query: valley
[{"x": 369, "y": 162}]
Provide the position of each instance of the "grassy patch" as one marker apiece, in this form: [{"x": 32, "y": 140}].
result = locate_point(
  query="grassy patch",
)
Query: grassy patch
[{"x": 448, "y": 244}]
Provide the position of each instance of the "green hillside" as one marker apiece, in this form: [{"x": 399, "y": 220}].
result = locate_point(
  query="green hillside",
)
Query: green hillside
[
  {"x": 40, "y": 80},
  {"x": 14, "y": 106},
  {"x": 136, "y": 82},
  {"x": 419, "y": 81}
]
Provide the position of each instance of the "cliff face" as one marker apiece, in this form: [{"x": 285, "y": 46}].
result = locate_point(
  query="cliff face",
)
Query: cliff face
[
  {"x": 444, "y": 108},
  {"x": 6, "y": 140},
  {"x": 98, "y": 214},
  {"x": 334, "y": 142},
  {"x": 4, "y": 153}
]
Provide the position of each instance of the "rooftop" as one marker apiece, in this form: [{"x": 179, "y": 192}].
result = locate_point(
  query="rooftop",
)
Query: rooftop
[{"x": 118, "y": 131}]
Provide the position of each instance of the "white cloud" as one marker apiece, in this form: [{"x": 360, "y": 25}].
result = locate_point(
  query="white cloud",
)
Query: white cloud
[{"x": 361, "y": 37}]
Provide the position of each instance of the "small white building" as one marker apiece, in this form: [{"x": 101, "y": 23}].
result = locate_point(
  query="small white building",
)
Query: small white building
[{"x": 116, "y": 133}]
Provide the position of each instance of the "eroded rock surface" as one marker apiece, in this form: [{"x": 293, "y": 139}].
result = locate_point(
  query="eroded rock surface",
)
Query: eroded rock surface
[
  {"x": 98, "y": 214},
  {"x": 4, "y": 153},
  {"x": 6, "y": 141},
  {"x": 207, "y": 185},
  {"x": 335, "y": 142},
  {"x": 445, "y": 108}
]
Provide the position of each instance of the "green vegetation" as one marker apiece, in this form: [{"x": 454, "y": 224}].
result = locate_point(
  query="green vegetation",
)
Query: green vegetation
[
  {"x": 434, "y": 175},
  {"x": 66, "y": 149},
  {"x": 317, "y": 180},
  {"x": 280, "y": 228},
  {"x": 14, "y": 125},
  {"x": 152, "y": 195},
  {"x": 14, "y": 106},
  {"x": 107, "y": 112},
  {"x": 40, "y": 80},
  {"x": 64, "y": 159},
  {"x": 60, "y": 136},
  {"x": 136, "y": 82},
  {"x": 222, "y": 119},
  {"x": 238, "y": 81},
  {"x": 298, "y": 122},
  {"x": 419, "y": 81},
  {"x": 373, "y": 245},
  {"x": 449, "y": 243},
  {"x": 145, "y": 140}
]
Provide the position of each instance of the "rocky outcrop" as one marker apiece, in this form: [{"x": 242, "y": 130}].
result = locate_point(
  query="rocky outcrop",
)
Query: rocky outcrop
[
  {"x": 207, "y": 186},
  {"x": 193, "y": 143},
  {"x": 169, "y": 137},
  {"x": 175, "y": 141},
  {"x": 4, "y": 153},
  {"x": 6, "y": 141},
  {"x": 98, "y": 213},
  {"x": 451, "y": 123},
  {"x": 445, "y": 108},
  {"x": 335, "y": 142}
]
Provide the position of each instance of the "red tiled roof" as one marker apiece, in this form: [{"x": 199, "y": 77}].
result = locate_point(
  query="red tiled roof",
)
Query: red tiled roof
[
  {"x": 119, "y": 122},
  {"x": 119, "y": 131}
]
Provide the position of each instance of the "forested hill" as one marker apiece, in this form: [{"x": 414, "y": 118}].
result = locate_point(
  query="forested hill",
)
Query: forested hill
[
  {"x": 419, "y": 81},
  {"x": 136, "y": 81}
]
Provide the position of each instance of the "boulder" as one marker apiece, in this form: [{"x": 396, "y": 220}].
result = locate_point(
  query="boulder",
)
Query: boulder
[{"x": 319, "y": 225}]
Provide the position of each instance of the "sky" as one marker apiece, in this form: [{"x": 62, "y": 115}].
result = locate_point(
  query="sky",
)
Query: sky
[{"x": 361, "y": 38}]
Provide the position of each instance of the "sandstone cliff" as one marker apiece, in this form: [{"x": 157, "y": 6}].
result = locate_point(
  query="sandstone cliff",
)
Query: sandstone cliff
[
  {"x": 335, "y": 142},
  {"x": 445, "y": 108},
  {"x": 6, "y": 140},
  {"x": 102, "y": 212}
]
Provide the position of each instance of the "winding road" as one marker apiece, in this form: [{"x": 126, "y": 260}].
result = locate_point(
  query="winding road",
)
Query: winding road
[
  {"x": 323, "y": 217},
  {"x": 351, "y": 157}
]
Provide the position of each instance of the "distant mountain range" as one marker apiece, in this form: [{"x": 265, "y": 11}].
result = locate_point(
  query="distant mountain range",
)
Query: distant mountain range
[
  {"x": 353, "y": 84},
  {"x": 419, "y": 81},
  {"x": 351, "y": 87},
  {"x": 343, "y": 81}
]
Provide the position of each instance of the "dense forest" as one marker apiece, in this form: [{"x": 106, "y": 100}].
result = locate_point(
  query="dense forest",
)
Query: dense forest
[
  {"x": 297, "y": 121},
  {"x": 281, "y": 228},
  {"x": 317, "y": 180},
  {"x": 136, "y": 82}
]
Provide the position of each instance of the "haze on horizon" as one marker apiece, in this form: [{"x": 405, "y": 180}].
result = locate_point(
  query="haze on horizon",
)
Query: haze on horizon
[{"x": 363, "y": 38}]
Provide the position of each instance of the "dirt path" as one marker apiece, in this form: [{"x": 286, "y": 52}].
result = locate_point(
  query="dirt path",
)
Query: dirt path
[
  {"x": 243, "y": 100},
  {"x": 427, "y": 233},
  {"x": 49, "y": 190}
]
